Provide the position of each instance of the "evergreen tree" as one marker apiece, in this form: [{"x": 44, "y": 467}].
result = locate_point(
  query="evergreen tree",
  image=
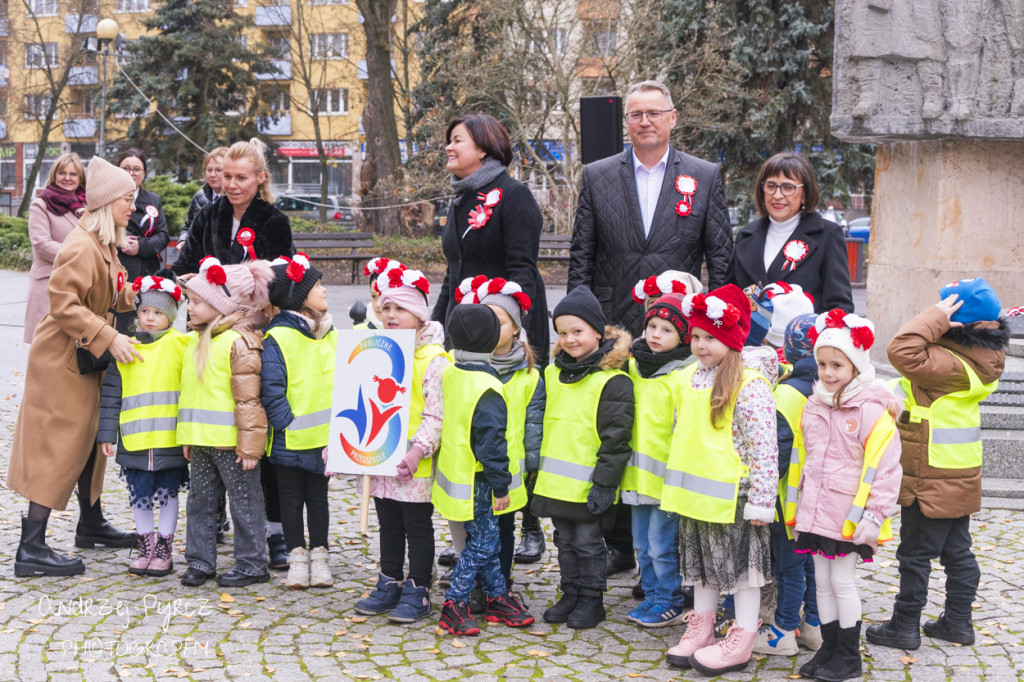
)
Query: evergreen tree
[{"x": 200, "y": 73}]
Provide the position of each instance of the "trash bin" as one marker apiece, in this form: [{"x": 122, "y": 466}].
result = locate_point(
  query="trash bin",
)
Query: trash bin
[{"x": 855, "y": 259}]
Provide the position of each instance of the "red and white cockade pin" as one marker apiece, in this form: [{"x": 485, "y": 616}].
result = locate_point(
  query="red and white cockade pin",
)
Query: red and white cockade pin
[
  {"x": 478, "y": 217},
  {"x": 246, "y": 238},
  {"x": 795, "y": 251},
  {"x": 684, "y": 206},
  {"x": 491, "y": 199},
  {"x": 120, "y": 280},
  {"x": 685, "y": 184}
]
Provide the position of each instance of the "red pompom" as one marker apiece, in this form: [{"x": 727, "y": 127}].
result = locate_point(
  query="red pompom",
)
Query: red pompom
[
  {"x": 295, "y": 271},
  {"x": 395, "y": 277},
  {"x": 496, "y": 285},
  {"x": 651, "y": 286},
  {"x": 636, "y": 299},
  {"x": 862, "y": 337},
  {"x": 477, "y": 281},
  {"x": 137, "y": 284},
  {"x": 524, "y": 301},
  {"x": 678, "y": 287},
  {"x": 216, "y": 276},
  {"x": 731, "y": 315},
  {"x": 812, "y": 335},
  {"x": 458, "y": 295},
  {"x": 422, "y": 284},
  {"x": 699, "y": 305},
  {"x": 834, "y": 318}
]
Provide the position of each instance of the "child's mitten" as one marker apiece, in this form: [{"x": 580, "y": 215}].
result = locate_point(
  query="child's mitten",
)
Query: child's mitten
[
  {"x": 600, "y": 499},
  {"x": 408, "y": 465},
  {"x": 866, "y": 533}
]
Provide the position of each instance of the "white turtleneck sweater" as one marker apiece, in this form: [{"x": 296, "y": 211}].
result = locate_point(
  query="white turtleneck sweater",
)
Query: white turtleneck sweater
[{"x": 778, "y": 235}]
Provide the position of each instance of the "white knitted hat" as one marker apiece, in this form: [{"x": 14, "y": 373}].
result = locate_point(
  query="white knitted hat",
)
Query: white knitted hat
[
  {"x": 788, "y": 302},
  {"x": 852, "y": 334}
]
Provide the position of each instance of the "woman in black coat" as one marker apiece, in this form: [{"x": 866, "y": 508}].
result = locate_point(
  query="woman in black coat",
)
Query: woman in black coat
[
  {"x": 791, "y": 242},
  {"x": 493, "y": 225}
]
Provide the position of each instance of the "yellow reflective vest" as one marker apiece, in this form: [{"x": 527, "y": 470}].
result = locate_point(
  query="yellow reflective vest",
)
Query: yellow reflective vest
[
  {"x": 518, "y": 391},
  {"x": 954, "y": 421},
  {"x": 150, "y": 392},
  {"x": 790, "y": 403},
  {"x": 568, "y": 451},
  {"x": 206, "y": 410},
  {"x": 457, "y": 465},
  {"x": 652, "y": 432},
  {"x": 421, "y": 360},
  {"x": 310, "y": 366},
  {"x": 702, "y": 477}
]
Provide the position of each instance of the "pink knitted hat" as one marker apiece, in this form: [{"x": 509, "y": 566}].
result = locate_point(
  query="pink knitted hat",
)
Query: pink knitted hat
[{"x": 229, "y": 288}]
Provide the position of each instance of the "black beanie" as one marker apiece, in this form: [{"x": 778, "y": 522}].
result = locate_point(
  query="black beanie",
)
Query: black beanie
[
  {"x": 286, "y": 293},
  {"x": 582, "y": 303},
  {"x": 474, "y": 328}
]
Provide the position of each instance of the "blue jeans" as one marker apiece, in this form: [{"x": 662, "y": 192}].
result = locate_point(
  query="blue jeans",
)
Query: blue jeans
[
  {"x": 656, "y": 539},
  {"x": 794, "y": 578},
  {"x": 480, "y": 557}
]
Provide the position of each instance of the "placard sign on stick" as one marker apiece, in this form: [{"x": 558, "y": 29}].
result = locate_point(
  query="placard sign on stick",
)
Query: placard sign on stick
[{"x": 373, "y": 381}]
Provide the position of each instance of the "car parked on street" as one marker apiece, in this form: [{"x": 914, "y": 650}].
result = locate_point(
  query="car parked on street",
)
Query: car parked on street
[
  {"x": 308, "y": 207},
  {"x": 860, "y": 228}
]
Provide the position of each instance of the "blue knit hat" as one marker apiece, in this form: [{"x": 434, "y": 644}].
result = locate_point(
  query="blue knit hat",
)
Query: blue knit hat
[
  {"x": 981, "y": 303},
  {"x": 798, "y": 343}
]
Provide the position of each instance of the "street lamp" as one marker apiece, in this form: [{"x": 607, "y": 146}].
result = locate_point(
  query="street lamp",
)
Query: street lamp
[{"x": 106, "y": 33}]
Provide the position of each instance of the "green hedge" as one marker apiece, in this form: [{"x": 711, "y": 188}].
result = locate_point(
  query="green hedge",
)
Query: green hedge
[
  {"x": 15, "y": 247},
  {"x": 175, "y": 198},
  {"x": 416, "y": 252}
]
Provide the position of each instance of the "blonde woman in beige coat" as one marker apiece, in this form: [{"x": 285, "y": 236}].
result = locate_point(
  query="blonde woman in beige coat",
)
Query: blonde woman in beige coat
[
  {"x": 55, "y": 439},
  {"x": 51, "y": 217}
]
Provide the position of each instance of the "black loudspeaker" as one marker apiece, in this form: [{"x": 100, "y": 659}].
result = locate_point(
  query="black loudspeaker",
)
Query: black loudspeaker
[{"x": 600, "y": 127}]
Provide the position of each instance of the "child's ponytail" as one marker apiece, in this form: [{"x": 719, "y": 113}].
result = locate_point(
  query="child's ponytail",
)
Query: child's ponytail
[{"x": 726, "y": 386}]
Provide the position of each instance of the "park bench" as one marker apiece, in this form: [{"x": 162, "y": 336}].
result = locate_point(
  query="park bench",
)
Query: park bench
[
  {"x": 355, "y": 247},
  {"x": 554, "y": 248}
]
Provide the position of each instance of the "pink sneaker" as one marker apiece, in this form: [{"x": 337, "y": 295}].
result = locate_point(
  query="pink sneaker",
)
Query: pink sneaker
[
  {"x": 161, "y": 563},
  {"x": 700, "y": 632},
  {"x": 727, "y": 655},
  {"x": 143, "y": 554}
]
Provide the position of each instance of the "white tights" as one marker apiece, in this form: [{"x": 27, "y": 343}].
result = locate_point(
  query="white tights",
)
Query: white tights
[
  {"x": 168, "y": 517},
  {"x": 747, "y": 604},
  {"x": 837, "y": 589},
  {"x": 458, "y": 531}
]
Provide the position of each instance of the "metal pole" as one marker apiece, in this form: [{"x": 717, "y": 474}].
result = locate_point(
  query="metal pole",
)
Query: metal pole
[{"x": 103, "y": 106}]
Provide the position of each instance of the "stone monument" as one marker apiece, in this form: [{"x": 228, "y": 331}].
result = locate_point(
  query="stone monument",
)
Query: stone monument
[{"x": 938, "y": 85}]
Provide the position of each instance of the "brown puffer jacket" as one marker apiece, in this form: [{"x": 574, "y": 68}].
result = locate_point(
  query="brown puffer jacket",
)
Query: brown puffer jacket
[
  {"x": 250, "y": 417},
  {"x": 919, "y": 352}
]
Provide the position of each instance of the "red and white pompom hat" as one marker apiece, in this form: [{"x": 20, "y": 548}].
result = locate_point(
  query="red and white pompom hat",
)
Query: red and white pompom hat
[
  {"x": 375, "y": 267},
  {"x": 149, "y": 283},
  {"x": 395, "y": 275},
  {"x": 850, "y": 333},
  {"x": 476, "y": 289},
  {"x": 723, "y": 312},
  {"x": 668, "y": 282}
]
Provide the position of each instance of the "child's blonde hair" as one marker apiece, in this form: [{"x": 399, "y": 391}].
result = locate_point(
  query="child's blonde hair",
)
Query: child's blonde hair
[
  {"x": 726, "y": 386},
  {"x": 208, "y": 331},
  {"x": 837, "y": 397}
]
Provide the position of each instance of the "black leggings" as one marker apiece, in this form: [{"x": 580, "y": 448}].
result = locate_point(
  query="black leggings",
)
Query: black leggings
[
  {"x": 299, "y": 488},
  {"x": 401, "y": 523},
  {"x": 271, "y": 495}
]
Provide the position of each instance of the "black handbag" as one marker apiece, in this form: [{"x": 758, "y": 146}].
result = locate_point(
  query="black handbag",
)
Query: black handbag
[{"x": 89, "y": 363}]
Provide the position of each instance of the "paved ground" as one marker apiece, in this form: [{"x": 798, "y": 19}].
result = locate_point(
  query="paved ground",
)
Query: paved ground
[{"x": 108, "y": 624}]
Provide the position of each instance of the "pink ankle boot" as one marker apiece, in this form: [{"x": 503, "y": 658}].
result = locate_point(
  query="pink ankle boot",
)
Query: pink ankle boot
[
  {"x": 161, "y": 563},
  {"x": 727, "y": 655},
  {"x": 700, "y": 632},
  {"x": 143, "y": 554}
]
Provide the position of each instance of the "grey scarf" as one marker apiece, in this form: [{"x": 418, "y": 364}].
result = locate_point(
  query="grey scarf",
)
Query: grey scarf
[
  {"x": 504, "y": 364},
  {"x": 484, "y": 175}
]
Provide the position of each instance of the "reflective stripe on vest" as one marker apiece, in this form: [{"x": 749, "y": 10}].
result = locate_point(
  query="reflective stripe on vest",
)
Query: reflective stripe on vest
[
  {"x": 954, "y": 421},
  {"x": 149, "y": 394},
  {"x": 652, "y": 432},
  {"x": 518, "y": 392},
  {"x": 568, "y": 452},
  {"x": 790, "y": 403},
  {"x": 309, "y": 364},
  {"x": 704, "y": 470},
  {"x": 452, "y": 492},
  {"x": 206, "y": 410},
  {"x": 421, "y": 359},
  {"x": 875, "y": 446}
]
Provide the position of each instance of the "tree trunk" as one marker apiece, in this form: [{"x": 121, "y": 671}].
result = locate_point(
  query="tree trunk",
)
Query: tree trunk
[{"x": 380, "y": 173}]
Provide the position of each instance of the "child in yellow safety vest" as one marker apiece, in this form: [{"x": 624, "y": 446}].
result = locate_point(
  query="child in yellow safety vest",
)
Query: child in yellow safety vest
[
  {"x": 221, "y": 422},
  {"x": 721, "y": 478},
  {"x": 794, "y": 573},
  {"x": 951, "y": 356},
  {"x": 848, "y": 482},
  {"x": 296, "y": 388},
  {"x": 402, "y": 503},
  {"x": 138, "y": 413},
  {"x": 372, "y": 269},
  {"x": 588, "y": 422},
  {"x": 473, "y": 482}
]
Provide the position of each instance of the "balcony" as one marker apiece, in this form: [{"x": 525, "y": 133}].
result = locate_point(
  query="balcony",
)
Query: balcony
[
  {"x": 280, "y": 69},
  {"x": 76, "y": 128},
  {"x": 71, "y": 23},
  {"x": 83, "y": 75},
  {"x": 268, "y": 126},
  {"x": 5, "y": 27},
  {"x": 274, "y": 15},
  {"x": 361, "y": 70}
]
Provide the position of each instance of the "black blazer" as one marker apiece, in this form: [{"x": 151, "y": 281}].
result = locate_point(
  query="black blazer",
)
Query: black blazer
[
  {"x": 507, "y": 246},
  {"x": 147, "y": 260},
  {"x": 609, "y": 252},
  {"x": 823, "y": 274}
]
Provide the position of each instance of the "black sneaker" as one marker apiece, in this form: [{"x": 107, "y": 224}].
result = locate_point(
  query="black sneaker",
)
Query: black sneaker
[
  {"x": 506, "y": 608},
  {"x": 455, "y": 619}
]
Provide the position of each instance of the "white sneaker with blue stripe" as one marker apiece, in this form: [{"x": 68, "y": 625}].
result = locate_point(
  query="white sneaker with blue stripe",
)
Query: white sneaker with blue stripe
[{"x": 774, "y": 641}]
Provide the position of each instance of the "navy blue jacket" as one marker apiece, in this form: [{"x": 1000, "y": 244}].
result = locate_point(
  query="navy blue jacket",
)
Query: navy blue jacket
[
  {"x": 274, "y": 396},
  {"x": 487, "y": 434},
  {"x": 802, "y": 378}
]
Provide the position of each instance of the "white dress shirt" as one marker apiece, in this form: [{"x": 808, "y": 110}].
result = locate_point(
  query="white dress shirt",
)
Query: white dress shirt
[{"x": 648, "y": 187}]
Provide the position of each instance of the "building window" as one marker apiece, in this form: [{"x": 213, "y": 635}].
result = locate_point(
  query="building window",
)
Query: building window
[
  {"x": 43, "y": 8},
  {"x": 36, "y": 106},
  {"x": 38, "y": 56},
  {"x": 329, "y": 45},
  {"x": 557, "y": 38},
  {"x": 280, "y": 101},
  {"x": 81, "y": 103},
  {"x": 329, "y": 101},
  {"x": 132, "y": 5},
  {"x": 600, "y": 39},
  {"x": 279, "y": 46}
]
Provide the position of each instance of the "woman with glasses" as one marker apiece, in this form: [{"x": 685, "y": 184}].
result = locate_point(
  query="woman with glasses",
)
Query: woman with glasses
[
  {"x": 146, "y": 234},
  {"x": 790, "y": 241}
]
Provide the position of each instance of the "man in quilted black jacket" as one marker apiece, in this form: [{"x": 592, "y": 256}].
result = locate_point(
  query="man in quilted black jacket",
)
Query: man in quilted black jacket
[{"x": 650, "y": 209}]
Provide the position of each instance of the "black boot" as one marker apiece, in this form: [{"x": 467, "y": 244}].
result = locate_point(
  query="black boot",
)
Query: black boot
[
  {"x": 94, "y": 530},
  {"x": 448, "y": 557},
  {"x": 845, "y": 664},
  {"x": 903, "y": 631},
  {"x": 559, "y": 613},
  {"x": 531, "y": 545},
  {"x": 950, "y": 629},
  {"x": 34, "y": 557},
  {"x": 829, "y": 639},
  {"x": 589, "y": 611},
  {"x": 278, "y": 550}
]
